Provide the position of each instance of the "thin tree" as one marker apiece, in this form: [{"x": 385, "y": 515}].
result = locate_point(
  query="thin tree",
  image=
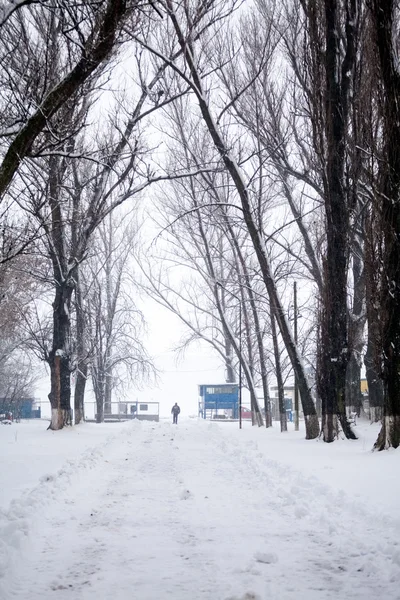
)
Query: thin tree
[
  {"x": 117, "y": 354},
  {"x": 184, "y": 25}
]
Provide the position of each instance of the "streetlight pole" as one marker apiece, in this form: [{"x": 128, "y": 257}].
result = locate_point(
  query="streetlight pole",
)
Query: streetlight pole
[
  {"x": 240, "y": 365},
  {"x": 296, "y": 387},
  {"x": 240, "y": 353}
]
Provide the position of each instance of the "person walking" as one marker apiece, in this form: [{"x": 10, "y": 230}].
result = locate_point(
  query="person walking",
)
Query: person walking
[{"x": 175, "y": 412}]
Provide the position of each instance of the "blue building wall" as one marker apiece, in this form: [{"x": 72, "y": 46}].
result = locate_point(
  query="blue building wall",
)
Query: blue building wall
[
  {"x": 20, "y": 409},
  {"x": 219, "y": 397}
]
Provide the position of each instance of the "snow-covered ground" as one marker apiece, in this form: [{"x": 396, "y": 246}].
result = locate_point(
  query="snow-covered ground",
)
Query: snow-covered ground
[{"x": 198, "y": 511}]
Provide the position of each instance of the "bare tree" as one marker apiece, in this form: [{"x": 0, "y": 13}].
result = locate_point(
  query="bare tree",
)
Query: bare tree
[
  {"x": 185, "y": 25},
  {"x": 48, "y": 52},
  {"x": 117, "y": 354}
]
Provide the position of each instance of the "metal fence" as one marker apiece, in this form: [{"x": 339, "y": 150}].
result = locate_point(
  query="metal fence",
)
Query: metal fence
[{"x": 119, "y": 410}]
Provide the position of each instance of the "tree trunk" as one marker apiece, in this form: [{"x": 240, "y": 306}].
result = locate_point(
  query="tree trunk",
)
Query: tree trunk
[
  {"x": 99, "y": 407},
  {"x": 334, "y": 336},
  {"x": 81, "y": 367},
  {"x": 108, "y": 391},
  {"x": 98, "y": 385},
  {"x": 357, "y": 319},
  {"x": 256, "y": 417},
  {"x": 389, "y": 435},
  {"x": 59, "y": 359},
  {"x": 375, "y": 384},
  {"x": 279, "y": 379},
  {"x": 267, "y": 399},
  {"x": 385, "y": 17},
  {"x": 230, "y": 371},
  {"x": 353, "y": 385},
  {"x": 371, "y": 360},
  {"x": 79, "y": 394}
]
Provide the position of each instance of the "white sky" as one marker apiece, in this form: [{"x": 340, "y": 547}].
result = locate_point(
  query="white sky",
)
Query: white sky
[{"x": 179, "y": 377}]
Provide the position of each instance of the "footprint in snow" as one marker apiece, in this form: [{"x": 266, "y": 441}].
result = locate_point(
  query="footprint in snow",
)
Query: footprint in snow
[
  {"x": 185, "y": 494},
  {"x": 246, "y": 596},
  {"x": 267, "y": 558}
]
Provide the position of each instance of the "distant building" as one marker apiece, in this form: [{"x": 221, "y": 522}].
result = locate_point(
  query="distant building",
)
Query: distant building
[
  {"x": 20, "y": 408},
  {"x": 219, "y": 401},
  {"x": 124, "y": 411},
  {"x": 288, "y": 391}
]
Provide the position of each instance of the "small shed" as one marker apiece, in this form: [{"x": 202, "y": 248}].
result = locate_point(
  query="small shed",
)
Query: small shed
[
  {"x": 219, "y": 401},
  {"x": 143, "y": 411},
  {"x": 125, "y": 411}
]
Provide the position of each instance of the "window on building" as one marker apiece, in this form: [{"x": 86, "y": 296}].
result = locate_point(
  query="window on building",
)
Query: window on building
[
  {"x": 221, "y": 390},
  {"x": 143, "y": 407}
]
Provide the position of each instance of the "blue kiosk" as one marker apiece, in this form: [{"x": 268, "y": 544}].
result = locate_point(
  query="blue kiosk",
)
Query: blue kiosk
[{"x": 219, "y": 401}]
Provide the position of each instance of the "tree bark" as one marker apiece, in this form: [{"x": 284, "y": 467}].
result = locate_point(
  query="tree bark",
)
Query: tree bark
[
  {"x": 230, "y": 371},
  {"x": 79, "y": 394},
  {"x": 99, "y": 388},
  {"x": 99, "y": 395},
  {"x": 385, "y": 23},
  {"x": 371, "y": 357},
  {"x": 334, "y": 336},
  {"x": 375, "y": 384},
  {"x": 108, "y": 382},
  {"x": 59, "y": 359}
]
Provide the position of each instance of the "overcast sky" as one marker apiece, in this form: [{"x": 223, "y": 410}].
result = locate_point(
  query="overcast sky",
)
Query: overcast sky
[{"x": 179, "y": 378}]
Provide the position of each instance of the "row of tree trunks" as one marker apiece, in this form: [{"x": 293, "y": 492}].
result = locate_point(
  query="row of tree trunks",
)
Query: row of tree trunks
[
  {"x": 371, "y": 356},
  {"x": 357, "y": 319}
]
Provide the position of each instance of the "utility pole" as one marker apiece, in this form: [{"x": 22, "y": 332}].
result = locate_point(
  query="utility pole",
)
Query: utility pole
[
  {"x": 296, "y": 387},
  {"x": 240, "y": 365},
  {"x": 240, "y": 348}
]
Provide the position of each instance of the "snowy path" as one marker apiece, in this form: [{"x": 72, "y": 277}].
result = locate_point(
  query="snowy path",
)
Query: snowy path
[{"x": 194, "y": 513}]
